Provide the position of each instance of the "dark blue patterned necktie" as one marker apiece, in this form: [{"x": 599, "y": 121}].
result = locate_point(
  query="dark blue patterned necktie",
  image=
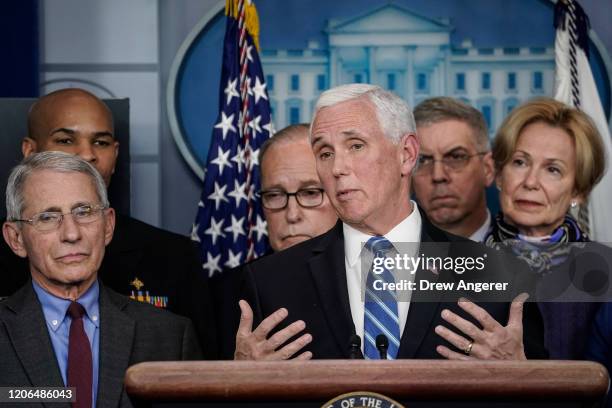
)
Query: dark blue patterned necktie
[{"x": 381, "y": 315}]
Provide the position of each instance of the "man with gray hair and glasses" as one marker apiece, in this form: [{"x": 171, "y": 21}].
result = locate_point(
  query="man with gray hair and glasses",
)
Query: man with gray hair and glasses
[
  {"x": 455, "y": 166},
  {"x": 313, "y": 300},
  {"x": 64, "y": 328},
  {"x": 295, "y": 205}
]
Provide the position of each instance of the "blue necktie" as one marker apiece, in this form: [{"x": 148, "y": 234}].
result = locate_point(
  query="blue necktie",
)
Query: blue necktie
[{"x": 381, "y": 316}]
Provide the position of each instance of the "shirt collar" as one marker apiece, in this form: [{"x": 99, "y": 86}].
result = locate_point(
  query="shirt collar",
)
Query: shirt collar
[
  {"x": 481, "y": 232},
  {"x": 409, "y": 230},
  {"x": 54, "y": 308}
]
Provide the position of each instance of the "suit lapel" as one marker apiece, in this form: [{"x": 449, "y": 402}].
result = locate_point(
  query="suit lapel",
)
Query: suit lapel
[
  {"x": 116, "y": 341},
  {"x": 423, "y": 305},
  {"x": 329, "y": 275},
  {"x": 29, "y": 336}
]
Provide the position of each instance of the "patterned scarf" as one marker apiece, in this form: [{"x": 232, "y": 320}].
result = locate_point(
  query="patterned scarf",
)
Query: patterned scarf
[{"x": 540, "y": 255}]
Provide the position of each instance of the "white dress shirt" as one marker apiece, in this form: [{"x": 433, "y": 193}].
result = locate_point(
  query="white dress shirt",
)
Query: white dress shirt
[
  {"x": 409, "y": 230},
  {"x": 480, "y": 234}
]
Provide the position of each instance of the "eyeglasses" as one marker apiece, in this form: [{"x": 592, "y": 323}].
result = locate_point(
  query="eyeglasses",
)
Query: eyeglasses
[
  {"x": 450, "y": 161},
  {"x": 278, "y": 199},
  {"x": 51, "y": 220}
]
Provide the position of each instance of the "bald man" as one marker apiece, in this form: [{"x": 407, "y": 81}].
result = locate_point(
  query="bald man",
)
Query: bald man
[
  {"x": 143, "y": 262},
  {"x": 76, "y": 122}
]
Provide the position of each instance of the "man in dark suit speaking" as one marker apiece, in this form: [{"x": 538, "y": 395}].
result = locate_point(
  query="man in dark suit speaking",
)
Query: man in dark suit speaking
[
  {"x": 365, "y": 147},
  {"x": 64, "y": 327}
]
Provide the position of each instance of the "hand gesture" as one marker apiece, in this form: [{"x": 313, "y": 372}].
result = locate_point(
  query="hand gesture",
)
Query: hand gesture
[
  {"x": 255, "y": 344},
  {"x": 492, "y": 342}
]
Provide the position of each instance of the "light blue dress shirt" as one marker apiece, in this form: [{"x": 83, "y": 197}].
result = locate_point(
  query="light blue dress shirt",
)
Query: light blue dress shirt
[{"x": 58, "y": 325}]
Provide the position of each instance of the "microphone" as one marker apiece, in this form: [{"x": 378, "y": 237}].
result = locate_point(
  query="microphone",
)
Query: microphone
[
  {"x": 382, "y": 344},
  {"x": 355, "y": 347}
]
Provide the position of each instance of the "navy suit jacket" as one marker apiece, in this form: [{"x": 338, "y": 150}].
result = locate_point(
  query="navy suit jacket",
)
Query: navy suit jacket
[{"x": 309, "y": 280}]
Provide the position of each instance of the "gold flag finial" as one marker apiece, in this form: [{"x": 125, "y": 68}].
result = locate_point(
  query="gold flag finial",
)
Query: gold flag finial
[{"x": 251, "y": 19}]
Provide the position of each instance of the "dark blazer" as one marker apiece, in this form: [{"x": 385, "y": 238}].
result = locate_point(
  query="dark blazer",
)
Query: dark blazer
[
  {"x": 142, "y": 258},
  {"x": 130, "y": 333},
  {"x": 309, "y": 280},
  {"x": 570, "y": 296},
  {"x": 569, "y": 293}
]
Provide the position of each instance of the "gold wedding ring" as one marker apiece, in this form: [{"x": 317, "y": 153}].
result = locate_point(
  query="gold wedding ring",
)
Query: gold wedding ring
[{"x": 468, "y": 349}]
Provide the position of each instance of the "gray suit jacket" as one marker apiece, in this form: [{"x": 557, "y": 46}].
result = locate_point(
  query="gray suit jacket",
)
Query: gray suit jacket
[{"x": 130, "y": 333}]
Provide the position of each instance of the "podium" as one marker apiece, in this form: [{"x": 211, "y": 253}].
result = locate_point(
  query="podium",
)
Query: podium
[{"x": 414, "y": 383}]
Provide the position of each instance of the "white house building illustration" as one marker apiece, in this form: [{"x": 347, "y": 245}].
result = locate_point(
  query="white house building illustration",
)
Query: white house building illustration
[{"x": 411, "y": 55}]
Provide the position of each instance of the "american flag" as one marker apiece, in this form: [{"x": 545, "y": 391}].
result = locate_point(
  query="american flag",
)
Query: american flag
[{"x": 230, "y": 227}]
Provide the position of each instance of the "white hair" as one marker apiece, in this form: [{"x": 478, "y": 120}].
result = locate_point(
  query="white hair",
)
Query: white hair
[
  {"x": 393, "y": 113},
  {"x": 51, "y": 160}
]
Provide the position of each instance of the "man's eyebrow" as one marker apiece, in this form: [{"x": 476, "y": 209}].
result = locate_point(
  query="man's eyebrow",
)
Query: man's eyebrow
[
  {"x": 72, "y": 132},
  {"x": 315, "y": 140},
  {"x": 273, "y": 187},
  {"x": 104, "y": 133},
  {"x": 62, "y": 130},
  {"x": 346, "y": 133},
  {"x": 313, "y": 183},
  {"x": 81, "y": 204},
  {"x": 352, "y": 133},
  {"x": 50, "y": 209},
  {"x": 310, "y": 183},
  {"x": 455, "y": 149},
  {"x": 72, "y": 207}
]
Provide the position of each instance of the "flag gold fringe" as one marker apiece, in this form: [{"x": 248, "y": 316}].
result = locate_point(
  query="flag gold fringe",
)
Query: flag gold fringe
[{"x": 250, "y": 16}]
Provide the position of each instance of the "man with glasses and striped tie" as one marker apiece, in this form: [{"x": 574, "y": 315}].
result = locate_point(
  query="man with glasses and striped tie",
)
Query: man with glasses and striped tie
[
  {"x": 64, "y": 328},
  {"x": 319, "y": 298}
]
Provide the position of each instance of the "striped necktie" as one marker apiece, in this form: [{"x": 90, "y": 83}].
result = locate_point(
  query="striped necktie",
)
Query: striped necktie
[{"x": 381, "y": 316}]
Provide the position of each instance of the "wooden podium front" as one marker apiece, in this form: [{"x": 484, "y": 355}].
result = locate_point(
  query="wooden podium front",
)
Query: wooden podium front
[{"x": 415, "y": 383}]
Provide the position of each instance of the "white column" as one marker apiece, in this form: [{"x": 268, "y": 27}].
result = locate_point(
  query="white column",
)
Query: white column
[
  {"x": 372, "y": 65},
  {"x": 448, "y": 81},
  {"x": 333, "y": 67},
  {"x": 409, "y": 79}
]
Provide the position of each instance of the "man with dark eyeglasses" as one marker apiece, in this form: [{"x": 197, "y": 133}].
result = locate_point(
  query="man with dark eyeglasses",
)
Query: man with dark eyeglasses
[
  {"x": 454, "y": 166},
  {"x": 295, "y": 205},
  {"x": 296, "y": 209}
]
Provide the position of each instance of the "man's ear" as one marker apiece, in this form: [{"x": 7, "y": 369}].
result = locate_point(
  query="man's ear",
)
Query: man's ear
[
  {"x": 13, "y": 235},
  {"x": 116, "y": 145},
  {"x": 409, "y": 152},
  {"x": 489, "y": 168},
  {"x": 28, "y": 146},
  {"x": 109, "y": 225}
]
